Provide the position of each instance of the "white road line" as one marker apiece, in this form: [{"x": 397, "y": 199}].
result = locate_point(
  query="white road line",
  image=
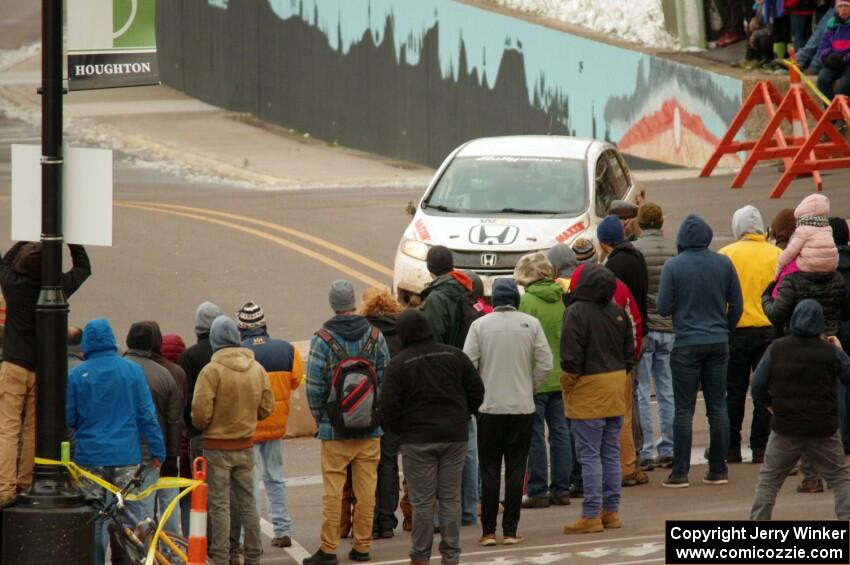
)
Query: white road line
[
  {"x": 521, "y": 548},
  {"x": 297, "y": 551}
]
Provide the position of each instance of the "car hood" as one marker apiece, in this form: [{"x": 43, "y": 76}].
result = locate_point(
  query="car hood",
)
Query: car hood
[{"x": 497, "y": 233}]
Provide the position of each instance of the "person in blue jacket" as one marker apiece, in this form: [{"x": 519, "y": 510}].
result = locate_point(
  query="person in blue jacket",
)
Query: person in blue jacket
[
  {"x": 108, "y": 410},
  {"x": 834, "y": 53}
]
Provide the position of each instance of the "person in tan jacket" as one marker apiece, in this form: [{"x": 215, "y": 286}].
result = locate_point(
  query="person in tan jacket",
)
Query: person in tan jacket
[{"x": 233, "y": 392}]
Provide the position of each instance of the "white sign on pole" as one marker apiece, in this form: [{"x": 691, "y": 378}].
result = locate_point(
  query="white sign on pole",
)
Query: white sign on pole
[{"x": 86, "y": 195}]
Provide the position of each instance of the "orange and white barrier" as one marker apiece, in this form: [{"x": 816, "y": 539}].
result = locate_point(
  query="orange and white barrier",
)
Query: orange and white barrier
[{"x": 198, "y": 515}]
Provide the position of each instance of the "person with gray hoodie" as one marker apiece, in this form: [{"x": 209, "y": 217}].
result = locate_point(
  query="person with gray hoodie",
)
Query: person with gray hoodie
[
  {"x": 193, "y": 360},
  {"x": 510, "y": 351}
]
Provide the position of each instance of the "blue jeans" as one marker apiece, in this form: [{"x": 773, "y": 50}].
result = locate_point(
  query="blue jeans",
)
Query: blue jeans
[
  {"x": 550, "y": 412},
  {"x": 469, "y": 481},
  {"x": 807, "y": 56},
  {"x": 655, "y": 364},
  {"x": 271, "y": 454},
  {"x": 118, "y": 476},
  {"x": 705, "y": 366},
  {"x": 598, "y": 452}
]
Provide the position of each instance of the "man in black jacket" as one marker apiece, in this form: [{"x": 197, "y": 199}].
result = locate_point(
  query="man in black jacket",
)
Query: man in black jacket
[
  {"x": 429, "y": 392},
  {"x": 796, "y": 379},
  {"x": 20, "y": 279}
]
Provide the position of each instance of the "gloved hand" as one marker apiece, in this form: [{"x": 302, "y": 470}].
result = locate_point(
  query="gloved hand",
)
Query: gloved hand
[
  {"x": 834, "y": 61},
  {"x": 169, "y": 467}
]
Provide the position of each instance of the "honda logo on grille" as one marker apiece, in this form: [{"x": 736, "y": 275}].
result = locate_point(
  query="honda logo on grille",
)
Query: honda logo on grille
[
  {"x": 493, "y": 234},
  {"x": 488, "y": 259}
]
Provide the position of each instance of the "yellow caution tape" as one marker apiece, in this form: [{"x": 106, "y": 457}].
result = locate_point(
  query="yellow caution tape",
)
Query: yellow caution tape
[
  {"x": 162, "y": 483},
  {"x": 807, "y": 81}
]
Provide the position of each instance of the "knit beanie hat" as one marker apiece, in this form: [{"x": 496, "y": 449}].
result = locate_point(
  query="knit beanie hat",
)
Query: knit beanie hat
[
  {"x": 250, "y": 316},
  {"x": 783, "y": 226},
  {"x": 172, "y": 347},
  {"x": 477, "y": 284},
  {"x": 224, "y": 333},
  {"x": 840, "y": 231},
  {"x": 505, "y": 293},
  {"x": 532, "y": 268},
  {"x": 584, "y": 250},
  {"x": 650, "y": 216},
  {"x": 610, "y": 231},
  {"x": 341, "y": 296},
  {"x": 440, "y": 260},
  {"x": 563, "y": 260}
]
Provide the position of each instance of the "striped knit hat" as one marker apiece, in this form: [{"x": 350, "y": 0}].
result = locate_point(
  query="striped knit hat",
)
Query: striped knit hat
[
  {"x": 584, "y": 250},
  {"x": 250, "y": 316}
]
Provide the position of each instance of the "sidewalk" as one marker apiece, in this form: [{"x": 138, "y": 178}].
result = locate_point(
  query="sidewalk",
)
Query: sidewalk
[{"x": 166, "y": 129}]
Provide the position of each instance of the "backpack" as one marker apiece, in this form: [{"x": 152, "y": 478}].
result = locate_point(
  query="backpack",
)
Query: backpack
[
  {"x": 468, "y": 312},
  {"x": 353, "y": 398}
]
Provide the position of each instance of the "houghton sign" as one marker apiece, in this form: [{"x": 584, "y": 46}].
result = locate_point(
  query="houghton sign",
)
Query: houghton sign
[{"x": 111, "y": 43}]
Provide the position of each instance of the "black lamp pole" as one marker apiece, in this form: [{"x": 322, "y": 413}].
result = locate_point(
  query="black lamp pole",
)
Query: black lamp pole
[{"x": 50, "y": 523}]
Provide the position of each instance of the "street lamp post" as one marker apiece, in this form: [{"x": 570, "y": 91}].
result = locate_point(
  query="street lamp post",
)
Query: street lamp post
[{"x": 50, "y": 523}]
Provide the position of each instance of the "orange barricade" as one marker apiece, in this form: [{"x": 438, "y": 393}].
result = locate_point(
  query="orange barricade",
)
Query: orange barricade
[
  {"x": 793, "y": 109},
  {"x": 763, "y": 94},
  {"x": 198, "y": 515},
  {"x": 815, "y": 156}
]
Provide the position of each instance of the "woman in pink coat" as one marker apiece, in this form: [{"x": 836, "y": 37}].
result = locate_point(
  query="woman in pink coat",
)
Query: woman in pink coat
[{"x": 811, "y": 246}]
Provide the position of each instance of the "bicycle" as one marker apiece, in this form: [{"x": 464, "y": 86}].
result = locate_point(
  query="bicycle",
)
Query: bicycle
[{"x": 134, "y": 536}]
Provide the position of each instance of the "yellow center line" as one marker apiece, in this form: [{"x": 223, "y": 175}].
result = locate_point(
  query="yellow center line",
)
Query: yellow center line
[
  {"x": 354, "y": 256},
  {"x": 263, "y": 235}
]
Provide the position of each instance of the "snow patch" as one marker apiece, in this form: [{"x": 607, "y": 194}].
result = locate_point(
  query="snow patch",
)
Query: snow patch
[{"x": 636, "y": 21}]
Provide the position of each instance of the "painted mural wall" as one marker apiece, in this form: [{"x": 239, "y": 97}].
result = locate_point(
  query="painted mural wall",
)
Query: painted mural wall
[{"x": 414, "y": 79}]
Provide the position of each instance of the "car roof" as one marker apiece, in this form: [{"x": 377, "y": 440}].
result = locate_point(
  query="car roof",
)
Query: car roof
[{"x": 529, "y": 146}]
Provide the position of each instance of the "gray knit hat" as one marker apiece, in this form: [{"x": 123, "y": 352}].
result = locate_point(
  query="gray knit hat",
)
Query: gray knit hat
[
  {"x": 341, "y": 296},
  {"x": 250, "y": 316}
]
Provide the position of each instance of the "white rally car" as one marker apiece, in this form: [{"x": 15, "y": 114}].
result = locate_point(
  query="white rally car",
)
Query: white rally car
[{"x": 495, "y": 199}]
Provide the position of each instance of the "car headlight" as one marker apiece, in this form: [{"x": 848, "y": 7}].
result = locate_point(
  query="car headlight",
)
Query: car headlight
[{"x": 416, "y": 249}]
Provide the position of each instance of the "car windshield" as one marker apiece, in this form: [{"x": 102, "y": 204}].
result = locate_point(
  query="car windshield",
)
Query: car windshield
[{"x": 511, "y": 185}]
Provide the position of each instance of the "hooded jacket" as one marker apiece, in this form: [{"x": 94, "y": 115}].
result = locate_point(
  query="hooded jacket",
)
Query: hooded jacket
[
  {"x": 797, "y": 374},
  {"x": 545, "y": 301},
  {"x": 441, "y": 304},
  {"x": 656, "y": 249},
  {"x": 430, "y": 389},
  {"x": 109, "y": 406},
  {"x": 21, "y": 291},
  {"x": 352, "y": 333},
  {"x": 286, "y": 370},
  {"x": 829, "y": 289},
  {"x": 196, "y": 357},
  {"x": 836, "y": 39},
  {"x": 754, "y": 260},
  {"x": 628, "y": 265},
  {"x": 510, "y": 351},
  {"x": 172, "y": 347},
  {"x": 844, "y": 270},
  {"x": 811, "y": 246},
  {"x": 622, "y": 298},
  {"x": 699, "y": 288},
  {"x": 233, "y": 392},
  {"x": 387, "y": 325},
  {"x": 597, "y": 349}
]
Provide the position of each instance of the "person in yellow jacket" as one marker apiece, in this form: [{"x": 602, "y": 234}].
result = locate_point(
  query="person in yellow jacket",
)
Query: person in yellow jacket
[
  {"x": 755, "y": 262},
  {"x": 286, "y": 372}
]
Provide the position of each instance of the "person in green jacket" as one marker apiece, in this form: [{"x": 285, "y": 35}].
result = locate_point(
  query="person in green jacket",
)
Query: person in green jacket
[{"x": 543, "y": 299}]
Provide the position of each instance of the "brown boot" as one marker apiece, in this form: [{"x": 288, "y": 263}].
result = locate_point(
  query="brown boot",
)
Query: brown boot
[
  {"x": 611, "y": 519},
  {"x": 585, "y": 526}
]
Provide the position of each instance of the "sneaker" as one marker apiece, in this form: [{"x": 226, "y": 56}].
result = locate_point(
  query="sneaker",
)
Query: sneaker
[
  {"x": 729, "y": 38},
  {"x": 715, "y": 478},
  {"x": 733, "y": 455},
  {"x": 811, "y": 486},
  {"x": 635, "y": 479},
  {"x": 560, "y": 500},
  {"x": 585, "y": 526},
  {"x": 355, "y": 555},
  {"x": 576, "y": 491},
  {"x": 282, "y": 541},
  {"x": 611, "y": 520},
  {"x": 513, "y": 540},
  {"x": 664, "y": 462},
  {"x": 646, "y": 465},
  {"x": 758, "y": 456},
  {"x": 676, "y": 481},
  {"x": 321, "y": 558},
  {"x": 487, "y": 541},
  {"x": 529, "y": 502}
]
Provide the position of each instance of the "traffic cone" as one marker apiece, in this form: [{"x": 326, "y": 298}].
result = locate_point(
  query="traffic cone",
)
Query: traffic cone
[{"x": 198, "y": 516}]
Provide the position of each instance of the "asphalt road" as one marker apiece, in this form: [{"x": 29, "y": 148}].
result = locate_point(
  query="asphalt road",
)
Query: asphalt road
[{"x": 179, "y": 242}]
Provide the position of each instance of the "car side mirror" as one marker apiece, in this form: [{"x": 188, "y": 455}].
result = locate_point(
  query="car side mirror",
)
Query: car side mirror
[{"x": 410, "y": 209}]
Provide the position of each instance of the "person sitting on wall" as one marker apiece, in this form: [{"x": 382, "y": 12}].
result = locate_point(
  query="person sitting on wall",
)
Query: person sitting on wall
[{"x": 834, "y": 51}]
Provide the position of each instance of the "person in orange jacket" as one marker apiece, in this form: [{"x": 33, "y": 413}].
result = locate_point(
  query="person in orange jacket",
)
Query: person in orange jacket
[{"x": 286, "y": 371}]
